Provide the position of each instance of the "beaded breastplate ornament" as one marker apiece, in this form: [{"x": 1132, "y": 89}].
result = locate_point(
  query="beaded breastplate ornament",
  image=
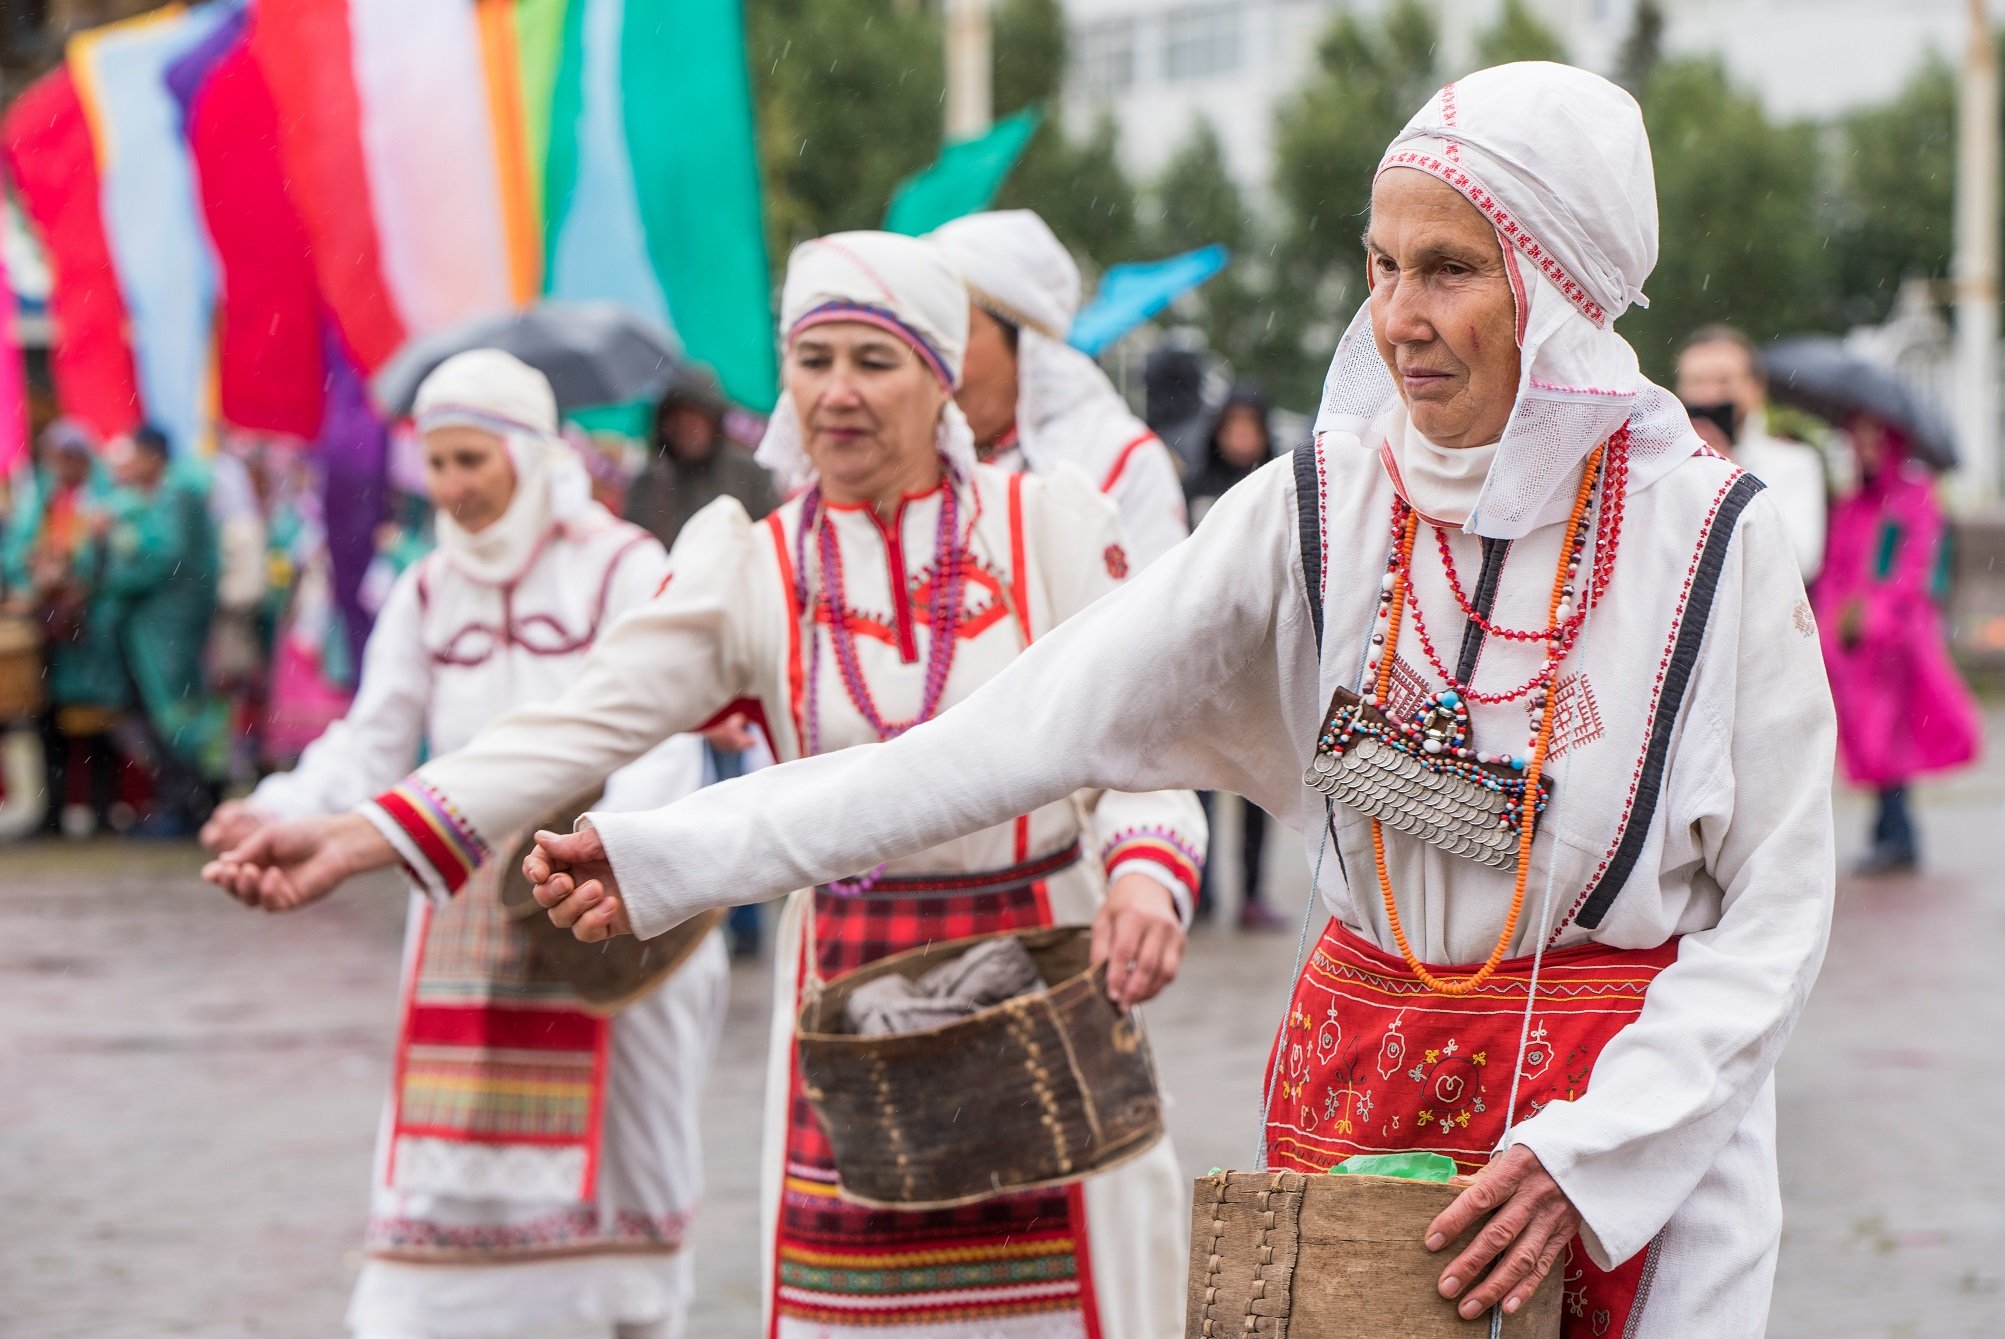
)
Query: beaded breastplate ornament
[{"x": 1422, "y": 776}]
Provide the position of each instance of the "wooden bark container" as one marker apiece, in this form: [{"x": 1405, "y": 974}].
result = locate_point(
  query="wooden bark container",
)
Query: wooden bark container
[
  {"x": 21, "y": 679},
  {"x": 1281, "y": 1254},
  {"x": 1041, "y": 1090}
]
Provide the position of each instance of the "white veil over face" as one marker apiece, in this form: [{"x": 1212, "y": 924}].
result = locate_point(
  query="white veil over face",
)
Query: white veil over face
[
  {"x": 900, "y": 284},
  {"x": 1557, "y": 159}
]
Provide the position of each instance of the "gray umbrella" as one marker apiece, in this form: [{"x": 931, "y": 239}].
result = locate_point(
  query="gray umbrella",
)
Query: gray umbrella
[
  {"x": 595, "y": 353},
  {"x": 1817, "y": 373}
]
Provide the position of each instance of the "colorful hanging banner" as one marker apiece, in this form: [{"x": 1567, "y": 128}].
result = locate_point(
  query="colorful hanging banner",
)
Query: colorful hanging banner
[
  {"x": 696, "y": 171},
  {"x": 304, "y": 50},
  {"x": 54, "y": 168},
  {"x": 1130, "y": 294},
  {"x": 596, "y": 242},
  {"x": 270, "y": 375},
  {"x": 151, "y": 217},
  {"x": 429, "y": 148}
]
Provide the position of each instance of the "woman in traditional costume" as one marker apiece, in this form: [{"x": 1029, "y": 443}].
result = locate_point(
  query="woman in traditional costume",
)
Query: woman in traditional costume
[
  {"x": 1033, "y": 401},
  {"x": 1903, "y": 710},
  {"x": 538, "y": 1164},
  {"x": 1528, "y": 668},
  {"x": 903, "y": 578}
]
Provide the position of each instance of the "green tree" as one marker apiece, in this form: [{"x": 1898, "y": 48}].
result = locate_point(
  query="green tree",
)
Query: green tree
[
  {"x": 1081, "y": 190},
  {"x": 1197, "y": 200},
  {"x": 1737, "y": 200},
  {"x": 848, "y": 97},
  {"x": 1892, "y": 201},
  {"x": 1078, "y": 186},
  {"x": 1197, "y": 203},
  {"x": 1643, "y": 49},
  {"x": 1029, "y": 54},
  {"x": 1517, "y": 35}
]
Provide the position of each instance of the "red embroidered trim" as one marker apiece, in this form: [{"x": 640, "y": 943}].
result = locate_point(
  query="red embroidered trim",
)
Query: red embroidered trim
[
  {"x": 1117, "y": 561},
  {"x": 1507, "y": 226},
  {"x": 1019, "y": 578},
  {"x": 777, "y": 528},
  {"x": 1582, "y": 390},
  {"x": 1122, "y": 458},
  {"x": 514, "y": 632},
  {"x": 566, "y": 1228}
]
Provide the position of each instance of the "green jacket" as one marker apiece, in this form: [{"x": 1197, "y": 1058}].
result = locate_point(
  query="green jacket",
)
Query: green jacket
[
  {"x": 160, "y": 573},
  {"x": 85, "y": 672}
]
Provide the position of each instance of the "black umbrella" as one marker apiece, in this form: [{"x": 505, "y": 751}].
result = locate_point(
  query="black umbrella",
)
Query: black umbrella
[
  {"x": 1817, "y": 373},
  {"x": 595, "y": 353}
]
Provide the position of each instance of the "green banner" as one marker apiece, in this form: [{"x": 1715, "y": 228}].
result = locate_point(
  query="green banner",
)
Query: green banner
[
  {"x": 964, "y": 179},
  {"x": 696, "y": 172}
]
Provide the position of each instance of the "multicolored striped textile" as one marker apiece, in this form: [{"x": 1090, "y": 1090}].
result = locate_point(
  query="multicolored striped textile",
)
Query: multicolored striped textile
[
  {"x": 451, "y": 849},
  {"x": 1158, "y": 847},
  {"x": 500, "y": 1075}
]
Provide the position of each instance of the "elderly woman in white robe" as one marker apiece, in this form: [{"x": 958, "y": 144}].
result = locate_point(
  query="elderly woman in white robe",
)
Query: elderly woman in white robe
[
  {"x": 1033, "y": 401},
  {"x": 904, "y": 578},
  {"x": 538, "y": 1165},
  {"x": 1538, "y": 594}
]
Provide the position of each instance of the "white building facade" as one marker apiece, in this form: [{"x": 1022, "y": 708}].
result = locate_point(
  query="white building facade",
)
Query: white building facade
[{"x": 1159, "y": 65}]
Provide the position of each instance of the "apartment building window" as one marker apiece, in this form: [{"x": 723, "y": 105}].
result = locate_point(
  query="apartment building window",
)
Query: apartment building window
[
  {"x": 1200, "y": 40},
  {"x": 1104, "y": 55}
]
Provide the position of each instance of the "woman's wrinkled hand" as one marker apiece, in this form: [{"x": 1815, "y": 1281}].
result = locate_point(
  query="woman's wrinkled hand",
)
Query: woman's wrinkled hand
[
  {"x": 1140, "y": 937},
  {"x": 574, "y": 882},
  {"x": 1531, "y": 1222}
]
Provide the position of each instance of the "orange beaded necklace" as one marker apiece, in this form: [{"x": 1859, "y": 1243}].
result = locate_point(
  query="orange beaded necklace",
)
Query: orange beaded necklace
[{"x": 1528, "y": 816}]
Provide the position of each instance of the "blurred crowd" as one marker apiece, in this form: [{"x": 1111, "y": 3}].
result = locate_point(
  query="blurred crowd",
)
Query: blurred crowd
[{"x": 170, "y": 623}]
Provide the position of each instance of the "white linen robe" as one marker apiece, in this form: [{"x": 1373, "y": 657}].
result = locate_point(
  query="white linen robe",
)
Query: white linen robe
[
  {"x": 1068, "y": 413},
  {"x": 661, "y": 1046},
  {"x": 725, "y": 627},
  {"x": 1692, "y": 772}
]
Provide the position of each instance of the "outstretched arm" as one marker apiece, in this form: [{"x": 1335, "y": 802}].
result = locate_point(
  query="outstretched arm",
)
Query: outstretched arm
[
  {"x": 1176, "y": 679},
  {"x": 659, "y": 670}
]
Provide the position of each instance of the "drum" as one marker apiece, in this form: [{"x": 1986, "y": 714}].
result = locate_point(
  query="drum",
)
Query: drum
[
  {"x": 1041, "y": 1090},
  {"x": 22, "y": 691}
]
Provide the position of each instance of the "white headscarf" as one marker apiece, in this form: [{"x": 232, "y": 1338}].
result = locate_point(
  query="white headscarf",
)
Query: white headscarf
[
  {"x": 499, "y": 393},
  {"x": 900, "y": 284},
  {"x": 1017, "y": 270},
  {"x": 1557, "y": 159}
]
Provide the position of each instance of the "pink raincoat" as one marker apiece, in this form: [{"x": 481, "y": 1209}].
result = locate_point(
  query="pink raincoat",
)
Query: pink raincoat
[{"x": 1902, "y": 707}]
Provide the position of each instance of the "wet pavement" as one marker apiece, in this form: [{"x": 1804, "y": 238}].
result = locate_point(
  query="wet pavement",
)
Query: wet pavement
[{"x": 188, "y": 1094}]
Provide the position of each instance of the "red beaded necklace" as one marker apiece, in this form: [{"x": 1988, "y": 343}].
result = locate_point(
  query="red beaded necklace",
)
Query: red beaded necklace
[{"x": 1563, "y": 623}]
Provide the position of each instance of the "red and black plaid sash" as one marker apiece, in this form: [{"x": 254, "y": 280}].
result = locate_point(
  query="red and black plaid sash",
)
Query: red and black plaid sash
[{"x": 845, "y": 1264}]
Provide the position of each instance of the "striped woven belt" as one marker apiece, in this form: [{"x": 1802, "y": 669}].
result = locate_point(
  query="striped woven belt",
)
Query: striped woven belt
[{"x": 971, "y": 881}]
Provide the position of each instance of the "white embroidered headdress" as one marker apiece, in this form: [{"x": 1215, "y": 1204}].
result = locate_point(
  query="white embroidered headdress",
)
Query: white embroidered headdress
[
  {"x": 900, "y": 284},
  {"x": 1557, "y": 159}
]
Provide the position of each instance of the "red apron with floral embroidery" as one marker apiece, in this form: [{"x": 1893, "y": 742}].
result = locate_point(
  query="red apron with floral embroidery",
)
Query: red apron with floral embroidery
[{"x": 1371, "y": 1061}]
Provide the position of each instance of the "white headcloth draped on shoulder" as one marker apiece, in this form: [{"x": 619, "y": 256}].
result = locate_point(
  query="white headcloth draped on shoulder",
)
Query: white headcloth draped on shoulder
[
  {"x": 1018, "y": 270},
  {"x": 499, "y": 393},
  {"x": 899, "y": 284},
  {"x": 1557, "y": 159}
]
